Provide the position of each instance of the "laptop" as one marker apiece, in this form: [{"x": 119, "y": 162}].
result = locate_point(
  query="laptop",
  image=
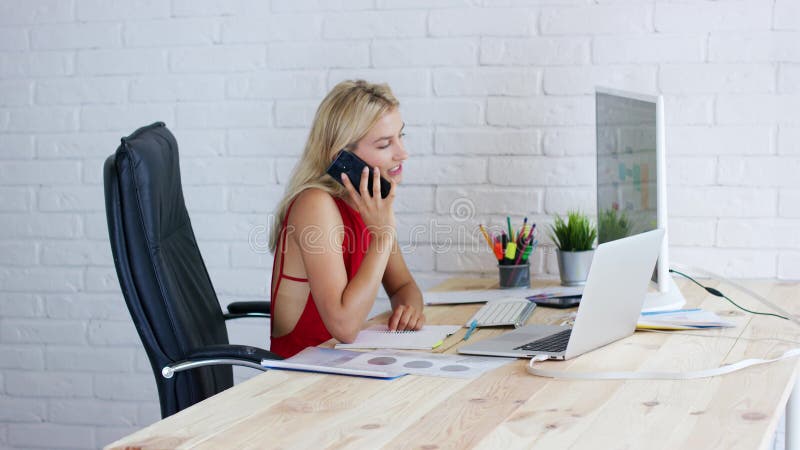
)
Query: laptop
[{"x": 612, "y": 300}]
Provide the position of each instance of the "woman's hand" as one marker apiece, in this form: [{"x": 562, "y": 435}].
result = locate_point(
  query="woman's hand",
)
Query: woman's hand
[
  {"x": 406, "y": 317},
  {"x": 377, "y": 212}
]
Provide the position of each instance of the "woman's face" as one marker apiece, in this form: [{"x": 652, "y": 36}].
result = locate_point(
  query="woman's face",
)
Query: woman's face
[{"x": 383, "y": 146}]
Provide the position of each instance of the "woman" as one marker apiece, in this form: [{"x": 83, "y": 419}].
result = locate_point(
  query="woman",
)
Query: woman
[{"x": 335, "y": 244}]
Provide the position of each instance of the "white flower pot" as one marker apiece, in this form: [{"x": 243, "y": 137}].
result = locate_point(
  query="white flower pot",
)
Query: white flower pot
[{"x": 574, "y": 267}]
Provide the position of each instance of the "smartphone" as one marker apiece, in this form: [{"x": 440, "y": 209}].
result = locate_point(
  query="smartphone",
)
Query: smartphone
[
  {"x": 557, "y": 302},
  {"x": 353, "y": 166}
]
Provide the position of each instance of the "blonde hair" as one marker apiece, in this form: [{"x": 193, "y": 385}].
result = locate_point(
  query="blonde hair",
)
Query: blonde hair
[{"x": 345, "y": 116}]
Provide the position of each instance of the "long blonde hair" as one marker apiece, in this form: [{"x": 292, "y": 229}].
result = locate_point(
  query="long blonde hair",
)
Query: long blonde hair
[{"x": 345, "y": 116}]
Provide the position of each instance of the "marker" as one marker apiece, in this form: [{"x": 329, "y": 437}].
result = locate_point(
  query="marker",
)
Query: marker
[
  {"x": 522, "y": 250},
  {"x": 510, "y": 230},
  {"x": 472, "y": 326},
  {"x": 511, "y": 250},
  {"x": 529, "y": 250}
]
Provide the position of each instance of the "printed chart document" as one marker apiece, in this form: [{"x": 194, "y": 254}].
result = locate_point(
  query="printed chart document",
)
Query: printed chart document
[
  {"x": 427, "y": 364},
  {"x": 379, "y": 336},
  {"x": 683, "y": 319},
  {"x": 328, "y": 360},
  {"x": 486, "y": 295}
]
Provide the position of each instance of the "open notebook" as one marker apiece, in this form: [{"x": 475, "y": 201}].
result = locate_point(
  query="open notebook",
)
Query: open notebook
[{"x": 379, "y": 336}]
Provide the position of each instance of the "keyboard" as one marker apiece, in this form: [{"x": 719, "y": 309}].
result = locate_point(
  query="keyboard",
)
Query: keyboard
[
  {"x": 511, "y": 311},
  {"x": 554, "y": 343}
]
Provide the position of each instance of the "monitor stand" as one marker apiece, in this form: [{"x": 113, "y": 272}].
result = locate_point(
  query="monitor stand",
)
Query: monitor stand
[{"x": 664, "y": 301}]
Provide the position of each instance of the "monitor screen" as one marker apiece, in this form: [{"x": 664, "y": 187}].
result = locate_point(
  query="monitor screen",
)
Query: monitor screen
[{"x": 627, "y": 200}]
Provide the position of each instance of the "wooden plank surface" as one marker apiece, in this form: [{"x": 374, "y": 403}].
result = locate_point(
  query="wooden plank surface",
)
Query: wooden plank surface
[{"x": 508, "y": 408}]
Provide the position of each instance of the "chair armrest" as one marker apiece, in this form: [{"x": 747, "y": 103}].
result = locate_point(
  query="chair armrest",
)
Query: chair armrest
[
  {"x": 245, "y": 352},
  {"x": 238, "y": 310},
  {"x": 230, "y": 354}
]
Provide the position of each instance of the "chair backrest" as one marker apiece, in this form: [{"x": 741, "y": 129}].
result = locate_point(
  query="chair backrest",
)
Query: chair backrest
[{"x": 160, "y": 269}]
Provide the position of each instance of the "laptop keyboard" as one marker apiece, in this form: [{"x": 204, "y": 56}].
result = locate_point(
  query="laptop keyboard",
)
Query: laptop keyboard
[{"x": 552, "y": 344}]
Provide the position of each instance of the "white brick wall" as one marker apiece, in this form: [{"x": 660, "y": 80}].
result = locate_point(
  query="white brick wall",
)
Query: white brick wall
[{"x": 497, "y": 95}]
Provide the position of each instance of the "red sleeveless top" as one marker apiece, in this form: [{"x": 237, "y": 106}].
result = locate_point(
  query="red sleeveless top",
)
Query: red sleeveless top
[{"x": 310, "y": 330}]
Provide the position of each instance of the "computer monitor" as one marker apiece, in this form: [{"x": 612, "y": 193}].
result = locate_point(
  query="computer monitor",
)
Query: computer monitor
[{"x": 631, "y": 178}]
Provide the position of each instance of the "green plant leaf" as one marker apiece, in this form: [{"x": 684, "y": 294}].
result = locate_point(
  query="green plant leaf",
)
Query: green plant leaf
[{"x": 576, "y": 234}]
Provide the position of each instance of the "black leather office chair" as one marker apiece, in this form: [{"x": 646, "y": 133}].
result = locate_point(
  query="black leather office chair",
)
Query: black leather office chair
[{"x": 163, "y": 278}]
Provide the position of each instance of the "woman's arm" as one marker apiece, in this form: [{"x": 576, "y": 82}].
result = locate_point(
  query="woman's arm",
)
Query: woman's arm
[
  {"x": 404, "y": 294},
  {"x": 319, "y": 232}
]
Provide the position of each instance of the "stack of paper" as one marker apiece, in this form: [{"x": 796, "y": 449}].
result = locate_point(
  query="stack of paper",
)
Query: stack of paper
[
  {"x": 682, "y": 319},
  {"x": 459, "y": 297},
  {"x": 486, "y": 295}
]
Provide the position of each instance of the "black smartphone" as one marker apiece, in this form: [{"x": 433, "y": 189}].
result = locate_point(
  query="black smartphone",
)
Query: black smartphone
[
  {"x": 353, "y": 166},
  {"x": 557, "y": 302}
]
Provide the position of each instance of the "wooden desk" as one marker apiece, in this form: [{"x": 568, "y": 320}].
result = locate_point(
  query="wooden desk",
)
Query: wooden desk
[{"x": 508, "y": 408}]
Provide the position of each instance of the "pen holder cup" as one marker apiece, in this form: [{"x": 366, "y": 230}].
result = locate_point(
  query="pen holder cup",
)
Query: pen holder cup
[{"x": 512, "y": 276}]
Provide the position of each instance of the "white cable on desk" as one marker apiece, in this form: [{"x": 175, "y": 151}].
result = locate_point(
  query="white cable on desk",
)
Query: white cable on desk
[
  {"x": 695, "y": 374},
  {"x": 699, "y": 333}
]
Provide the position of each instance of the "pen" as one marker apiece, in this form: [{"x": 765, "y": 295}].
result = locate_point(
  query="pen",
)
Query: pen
[
  {"x": 522, "y": 250},
  {"x": 472, "y": 326},
  {"x": 486, "y": 236}
]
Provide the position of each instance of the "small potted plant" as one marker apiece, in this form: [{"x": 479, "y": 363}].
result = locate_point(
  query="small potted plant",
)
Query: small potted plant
[{"x": 575, "y": 241}]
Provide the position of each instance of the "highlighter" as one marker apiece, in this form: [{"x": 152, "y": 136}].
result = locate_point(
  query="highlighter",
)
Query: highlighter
[
  {"x": 498, "y": 250},
  {"x": 528, "y": 251},
  {"x": 511, "y": 250}
]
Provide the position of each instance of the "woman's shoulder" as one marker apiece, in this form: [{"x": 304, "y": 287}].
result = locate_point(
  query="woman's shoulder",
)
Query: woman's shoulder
[
  {"x": 314, "y": 205},
  {"x": 315, "y": 197}
]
